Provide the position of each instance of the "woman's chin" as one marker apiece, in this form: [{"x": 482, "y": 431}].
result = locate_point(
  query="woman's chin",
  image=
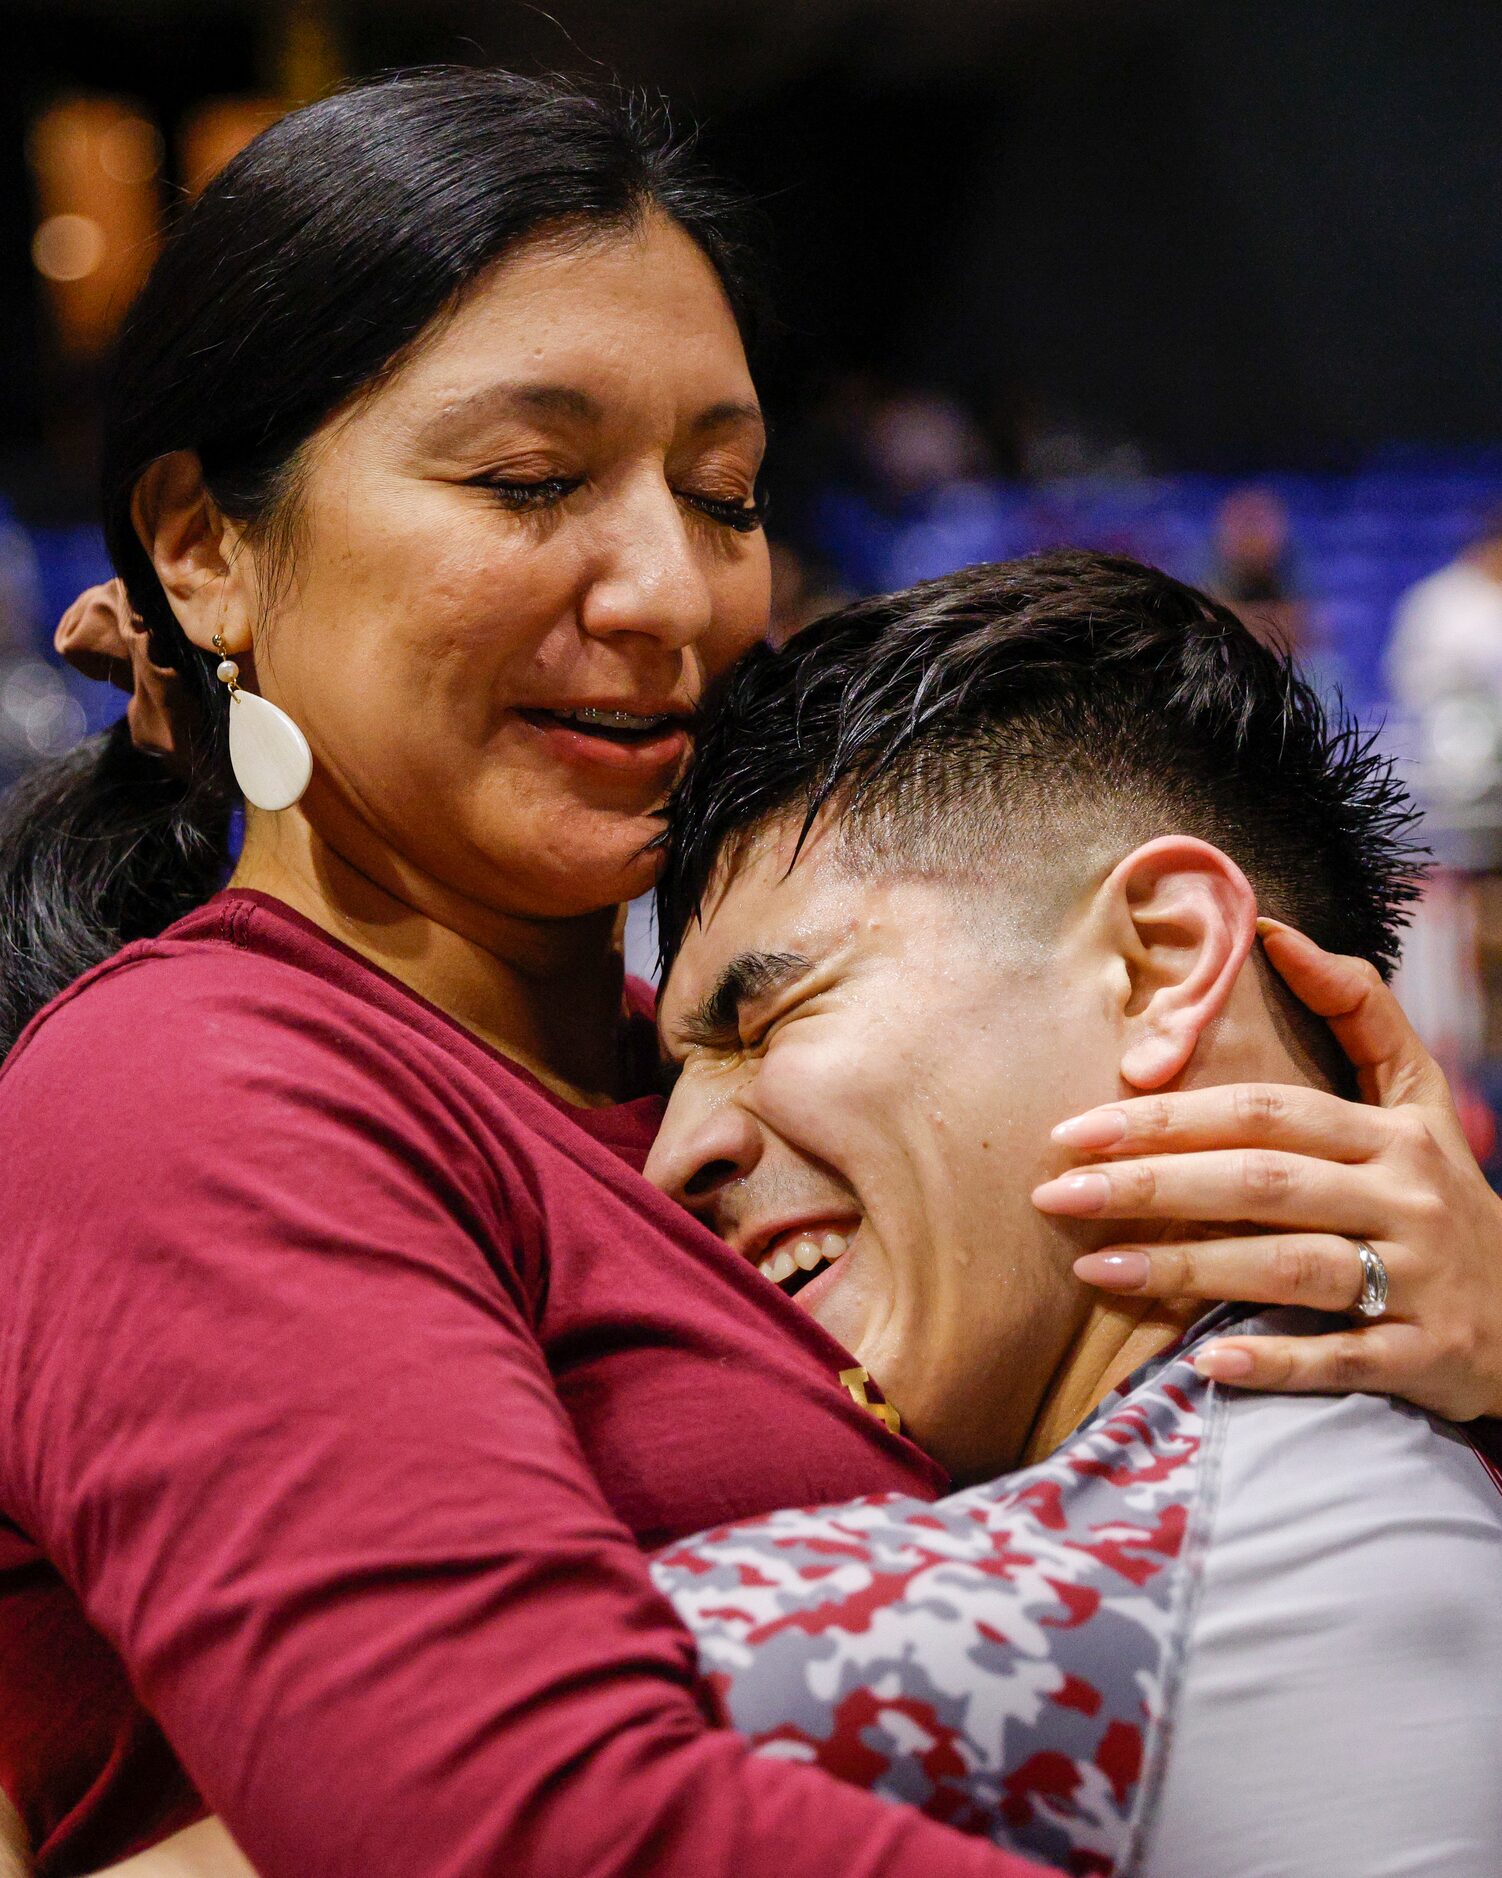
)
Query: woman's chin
[{"x": 605, "y": 867}]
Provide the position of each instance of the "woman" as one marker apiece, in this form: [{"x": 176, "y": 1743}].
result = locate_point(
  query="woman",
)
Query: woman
[{"x": 350, "y": 1362}]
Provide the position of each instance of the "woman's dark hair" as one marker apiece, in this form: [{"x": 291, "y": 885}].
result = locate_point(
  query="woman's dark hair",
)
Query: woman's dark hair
[{"x": 298, "y": 278}]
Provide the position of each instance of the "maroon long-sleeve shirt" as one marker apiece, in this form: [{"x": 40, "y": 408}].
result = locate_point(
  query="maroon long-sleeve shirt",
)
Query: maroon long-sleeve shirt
[{"x": 343, "y": 1373}]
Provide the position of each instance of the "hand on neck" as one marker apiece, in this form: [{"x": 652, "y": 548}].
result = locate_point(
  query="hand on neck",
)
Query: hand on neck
[{"x": 1254, "y": 1039}]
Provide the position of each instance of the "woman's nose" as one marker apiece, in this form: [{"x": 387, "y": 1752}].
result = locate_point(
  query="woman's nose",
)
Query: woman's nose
[
  {"x": 654, "y": 582},
  {"x": 704, "y": 1146}
]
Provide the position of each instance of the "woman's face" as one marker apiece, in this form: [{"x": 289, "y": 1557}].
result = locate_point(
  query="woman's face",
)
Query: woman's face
[{"x": 546, "y": 513}]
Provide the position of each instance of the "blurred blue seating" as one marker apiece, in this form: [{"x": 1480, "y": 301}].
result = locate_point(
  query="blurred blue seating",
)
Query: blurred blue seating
[
  {"x": 1359, "y": 540},
  {"x": 67, "y": 560}
]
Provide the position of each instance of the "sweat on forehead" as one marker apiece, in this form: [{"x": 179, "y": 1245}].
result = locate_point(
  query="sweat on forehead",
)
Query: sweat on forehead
[{"x": 1006, "y": 708}]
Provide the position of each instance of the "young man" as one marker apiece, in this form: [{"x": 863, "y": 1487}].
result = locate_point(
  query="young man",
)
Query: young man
[
  {"x": 950, "y": 867},
  {"x": 980, "y": 1654}
]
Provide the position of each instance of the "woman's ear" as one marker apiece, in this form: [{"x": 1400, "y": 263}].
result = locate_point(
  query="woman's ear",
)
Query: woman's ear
[
  {"x": 196, "y": 551},
  {"x": 1185, "y": 918}
]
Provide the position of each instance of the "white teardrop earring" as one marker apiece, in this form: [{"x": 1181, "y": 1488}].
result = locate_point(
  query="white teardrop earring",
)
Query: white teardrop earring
[{"x": 269, "y": 754}]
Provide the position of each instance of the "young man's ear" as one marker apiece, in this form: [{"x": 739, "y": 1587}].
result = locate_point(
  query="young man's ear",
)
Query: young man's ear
[
  {"x": 1183, "y": 919},
  {"x": 195, "y": 549}
]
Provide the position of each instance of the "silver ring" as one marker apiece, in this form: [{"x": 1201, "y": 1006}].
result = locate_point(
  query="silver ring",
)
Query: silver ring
[{"x": 1373, "y": 1299}]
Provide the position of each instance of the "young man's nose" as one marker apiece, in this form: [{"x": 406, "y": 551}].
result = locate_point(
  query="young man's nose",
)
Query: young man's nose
[{"x": 702, "y": 1150}]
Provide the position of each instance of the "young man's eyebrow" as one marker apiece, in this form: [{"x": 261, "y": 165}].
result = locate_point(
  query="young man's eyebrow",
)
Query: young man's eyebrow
[{"x": 748, "y": 976}]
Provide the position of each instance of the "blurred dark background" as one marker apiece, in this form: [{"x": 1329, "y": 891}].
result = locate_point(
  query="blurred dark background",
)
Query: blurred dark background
[
  {"x": 1236, "y": 235},
  {"x": 1211, "y": 281}
]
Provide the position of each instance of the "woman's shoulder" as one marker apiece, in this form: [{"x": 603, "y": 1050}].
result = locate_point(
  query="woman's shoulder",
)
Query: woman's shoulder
[
  {"x": 227, "y": 969},
  {"x": 242, "y": 1009},
  {"x": 233, "y": 1070},
  {"x": 245, "y": 1018}
]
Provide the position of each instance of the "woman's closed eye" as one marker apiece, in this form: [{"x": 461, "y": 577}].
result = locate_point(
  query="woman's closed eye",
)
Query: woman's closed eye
[
  {"x": 522, "y": 497},
  {"x": 526, "y": 496},
  {"x": 744, "y": 514}
]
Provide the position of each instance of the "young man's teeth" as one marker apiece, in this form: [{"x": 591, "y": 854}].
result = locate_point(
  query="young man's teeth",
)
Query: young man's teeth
[{"x": 805, "y": 1253}]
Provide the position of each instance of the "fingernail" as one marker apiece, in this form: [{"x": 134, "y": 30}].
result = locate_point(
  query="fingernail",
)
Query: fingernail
[
  {"x": 1073, "y": 1193},
  {"x": 1117, "y": 1271},
  {"x": 1224, "y": 1362},
  {"x": 1097, "y": 1128}
]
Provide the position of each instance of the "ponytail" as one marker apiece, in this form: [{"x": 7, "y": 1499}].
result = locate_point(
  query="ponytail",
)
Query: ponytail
[{"x": 97, "y": 848}]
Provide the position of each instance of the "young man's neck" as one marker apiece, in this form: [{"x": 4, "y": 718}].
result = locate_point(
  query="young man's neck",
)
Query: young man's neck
[
  {"x": 546, "y": 993},
  {"x": 1117, "y": 1337},
  {"x": 1263, "y": 1036}
]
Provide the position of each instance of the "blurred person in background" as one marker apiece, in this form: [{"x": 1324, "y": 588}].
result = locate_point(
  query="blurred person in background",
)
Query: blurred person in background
[
  {"x": 917, "y": 443},
  {"x": 351, "y": 1362},
  {"x": 1253, "y": 570},
  {"x": 1443, "y": 666},
  {"x": 1446, "y": 643}
]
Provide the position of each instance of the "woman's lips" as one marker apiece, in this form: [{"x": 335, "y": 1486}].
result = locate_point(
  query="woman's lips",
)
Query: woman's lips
[{"x": 650, "y": 752}]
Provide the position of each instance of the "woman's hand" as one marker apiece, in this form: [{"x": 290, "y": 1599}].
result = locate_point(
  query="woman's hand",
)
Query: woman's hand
[{"x": 1319, "y": 1173}]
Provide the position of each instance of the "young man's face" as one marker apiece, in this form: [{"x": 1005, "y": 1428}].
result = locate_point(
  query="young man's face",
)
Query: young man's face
[{"x": 870, "y": 1068}]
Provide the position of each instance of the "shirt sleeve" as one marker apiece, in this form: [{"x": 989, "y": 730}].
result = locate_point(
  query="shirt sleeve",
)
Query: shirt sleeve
[
  {"x": 81, "y": 1762},
  {"x": 273, "y": 1402}
]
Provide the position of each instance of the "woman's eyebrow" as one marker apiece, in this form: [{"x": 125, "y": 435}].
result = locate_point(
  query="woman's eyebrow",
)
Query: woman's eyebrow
[
  {"x": 488, "y": 402},
  {"x": 748, "y": 977},
  {"x": 730, "y": 411},
  {"x": 526, "y": 399}
]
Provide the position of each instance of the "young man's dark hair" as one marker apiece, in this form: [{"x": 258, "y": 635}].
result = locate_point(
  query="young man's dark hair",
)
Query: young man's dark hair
[{"x": 985, "y": 718}]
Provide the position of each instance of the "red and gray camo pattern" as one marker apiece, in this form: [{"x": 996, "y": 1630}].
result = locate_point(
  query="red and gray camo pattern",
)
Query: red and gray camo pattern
[{"x": 1003, "y": 1659}]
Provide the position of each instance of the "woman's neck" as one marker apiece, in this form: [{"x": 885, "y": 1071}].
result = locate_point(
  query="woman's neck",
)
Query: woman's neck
[{"x": 546, "y": 993}]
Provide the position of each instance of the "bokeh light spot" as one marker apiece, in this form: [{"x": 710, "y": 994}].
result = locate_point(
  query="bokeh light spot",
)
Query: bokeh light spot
[{"x": 68, "y": 247}]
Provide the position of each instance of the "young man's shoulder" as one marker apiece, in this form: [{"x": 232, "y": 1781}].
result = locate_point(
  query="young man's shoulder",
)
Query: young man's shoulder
[{"x": 1351, "y": 1583}]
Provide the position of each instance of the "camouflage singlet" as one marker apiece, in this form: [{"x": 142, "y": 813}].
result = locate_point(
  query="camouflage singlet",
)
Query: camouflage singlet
[{"x": 1005, "y": 1659}]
